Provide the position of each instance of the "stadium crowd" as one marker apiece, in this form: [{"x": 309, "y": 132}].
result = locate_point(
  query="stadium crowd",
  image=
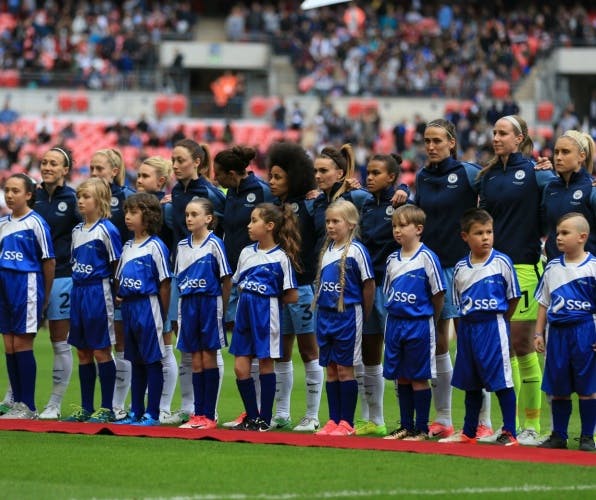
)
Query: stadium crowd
[
  {"x": 104, "y": 43},
  {"x": 430, "y": 48}
]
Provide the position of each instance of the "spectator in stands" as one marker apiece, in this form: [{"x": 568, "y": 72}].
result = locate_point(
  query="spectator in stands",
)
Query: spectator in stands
[
  {"x": 279, "y": 115},
  {"x": 235, "y": 24},
  {"x": 8, "y": 115}
]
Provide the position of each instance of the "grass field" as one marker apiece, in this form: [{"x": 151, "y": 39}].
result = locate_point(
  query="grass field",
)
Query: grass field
[{"x": 81, "y": 466}]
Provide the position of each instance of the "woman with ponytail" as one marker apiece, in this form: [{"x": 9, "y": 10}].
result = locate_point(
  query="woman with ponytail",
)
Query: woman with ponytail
[
  {"x": 572, "y": 191},
  {"x": 334, "y": 170}
]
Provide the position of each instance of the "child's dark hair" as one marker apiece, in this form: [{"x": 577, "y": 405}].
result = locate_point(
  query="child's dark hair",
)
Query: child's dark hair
[
  {"x": 392, "y": 162},
  {"x": 207, "y": 207},
  {"x": 409, "y": 214},
  {"x": 285, "y": 232},
  {"x": 235, "y": 159},
  {"x": 199, "y": 152},
  {"x": 295, "y": 162},
  {"x": 30, "y": 187},
  {"x": 149, "y": 206},
  {"x": 474, "y": 216}
]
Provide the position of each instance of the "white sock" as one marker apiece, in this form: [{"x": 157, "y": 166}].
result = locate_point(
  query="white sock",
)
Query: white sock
[
  {"x": 314, "y": 387},
  {"x": 284, "y": 380},
  {"x": 187, "y": 403},
  {"x": 374, "y": 386},
  {"x": 170, "y": 375},
  {"x": 123, "y": 375},
  {"x": 441, "y": 389},
  {"x": 8, "y": 397},
  {"x": 484, "y": 418},
  {"x": 221, "y": 368},
  {"x": 254, "y": 373},
  {"x": 61, "y": 372},
  {"x": 359, "y": 374}
]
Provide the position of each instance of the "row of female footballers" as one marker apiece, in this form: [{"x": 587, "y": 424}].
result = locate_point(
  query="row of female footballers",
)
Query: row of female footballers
[{"x": 513, "y": 193}]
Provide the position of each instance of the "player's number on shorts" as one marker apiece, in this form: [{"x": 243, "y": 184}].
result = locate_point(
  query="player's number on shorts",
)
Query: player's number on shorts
[
  {"x": 306, "y": 312},
  {"x": 65, "y": 304},
  {"x": 526, "y": 301}
]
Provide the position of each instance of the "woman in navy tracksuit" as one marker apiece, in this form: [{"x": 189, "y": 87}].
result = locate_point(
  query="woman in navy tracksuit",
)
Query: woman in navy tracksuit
[{"x": 572, "y": 191}]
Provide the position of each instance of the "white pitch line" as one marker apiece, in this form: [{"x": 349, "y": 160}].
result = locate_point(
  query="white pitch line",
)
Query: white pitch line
[{"x": 504, "y": 490}]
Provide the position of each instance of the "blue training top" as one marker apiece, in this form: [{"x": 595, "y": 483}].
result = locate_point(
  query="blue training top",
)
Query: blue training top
[
  {"x": 568, "y": 291},
  {"x": 24, "y": 243},
  {"x": 483, "y": 290},
  {"x": 61, "y": 214},
  {"x": 512, "y": 194},
  {"x": 240, "y": 202},
  {"x": 200, "y": 266},
  {"x": 142, "y": 267},
  {"x": 376, "y": 230},
  {"x": 560, "y": 198},
  {"x": 445, "y": 190},
  {"x": 410, "y": 283},
  {"x": 94, "y": 250}
]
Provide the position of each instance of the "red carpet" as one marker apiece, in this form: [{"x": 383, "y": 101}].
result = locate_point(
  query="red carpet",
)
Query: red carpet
[{"x": 486, "y": 451}]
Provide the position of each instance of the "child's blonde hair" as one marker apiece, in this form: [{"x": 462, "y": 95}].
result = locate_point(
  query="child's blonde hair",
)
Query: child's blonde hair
[
  {"x": 116, "y": 160},
  {"x": 286, "y": 232},
  {"x": 348, "y": 211},
  {"x": 409, "y": 214},
  {"x": 585, "y": 144},
  {"x": 161, "y": 166},
  {"x": 100, "y": 190},
  {"x": 581, "y": 224}
]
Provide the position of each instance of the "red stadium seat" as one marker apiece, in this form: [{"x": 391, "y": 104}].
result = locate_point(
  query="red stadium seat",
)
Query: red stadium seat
[
  {"x": 259, "y": 106},
  {"x": 162, "y": 105},
  {"x": 178, "y": 104},
  {"x": 545, "y": 111},
  {"x": 500, "y": 89},
  {"x": 466, "y": 106},
  {"x": 81, "y": 102},
  {"x": 452, "y": 107},
  {"x": 65, "y": 102},
  {"x": 9, "y": 78},
  {"x": 355, "y": 108}
]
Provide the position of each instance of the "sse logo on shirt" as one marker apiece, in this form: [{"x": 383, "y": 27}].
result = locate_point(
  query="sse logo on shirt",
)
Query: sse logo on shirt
[
  {"x": 395, "y": 296},
  {"x": 132, "y": 283},
  {"x": 11, "y": 255},
  {"x": 78, "y": 267},
  {"x": 252, "y": 286}
]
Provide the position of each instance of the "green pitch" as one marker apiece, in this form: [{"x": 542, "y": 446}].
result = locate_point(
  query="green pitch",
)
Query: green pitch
[{"x": 76, "y": 466}]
